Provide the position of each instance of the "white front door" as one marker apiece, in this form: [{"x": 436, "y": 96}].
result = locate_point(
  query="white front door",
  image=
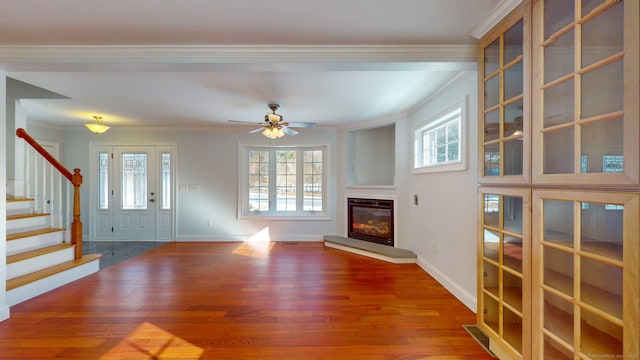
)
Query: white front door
[
  {"x": 134, "y": 193},
  {"x": 133, "y": 197}
]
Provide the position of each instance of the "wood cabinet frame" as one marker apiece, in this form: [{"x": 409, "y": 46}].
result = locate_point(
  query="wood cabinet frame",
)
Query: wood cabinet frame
[
  {"x": 631, "y": 128},
  {"x": 629, "y": 263},
  {"x": 522, "y": 12},
  {"x": 498, "y": 344}
]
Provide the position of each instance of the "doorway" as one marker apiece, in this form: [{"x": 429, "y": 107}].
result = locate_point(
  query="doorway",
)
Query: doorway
[{"x": 133, "y": 197}]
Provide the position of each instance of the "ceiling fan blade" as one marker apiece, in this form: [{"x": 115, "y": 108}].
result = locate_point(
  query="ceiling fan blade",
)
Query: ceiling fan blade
[
  {"x": 256, "y": 130},
  {"x": 288, "y": 131},
  {"x": 307, "y": 125},
  {"x": 245, "y": 122}
]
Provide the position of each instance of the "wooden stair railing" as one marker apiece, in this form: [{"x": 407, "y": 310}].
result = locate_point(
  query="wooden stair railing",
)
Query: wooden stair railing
[{"x": 76, "y": 181}]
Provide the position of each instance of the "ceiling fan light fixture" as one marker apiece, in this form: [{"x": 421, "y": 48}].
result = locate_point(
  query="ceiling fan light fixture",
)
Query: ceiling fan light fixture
[
  {"x": 273, "y": 133},
  {"x": 273, "y": 118},
  {"x": 97, "y": 127}
]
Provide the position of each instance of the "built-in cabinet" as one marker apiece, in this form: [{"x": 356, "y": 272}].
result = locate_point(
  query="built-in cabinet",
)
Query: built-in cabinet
[
  {"x": 572, "y": 212},
  {"x": 585, "y": 277},
  {"x": 585, "y": 92},
  {"x": 505, "y": 269},
  {"x": 504, "y": 59}
]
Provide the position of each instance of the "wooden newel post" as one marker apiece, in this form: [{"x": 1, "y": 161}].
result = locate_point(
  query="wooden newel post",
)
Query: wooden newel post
[{"x": 76, "y": 225}]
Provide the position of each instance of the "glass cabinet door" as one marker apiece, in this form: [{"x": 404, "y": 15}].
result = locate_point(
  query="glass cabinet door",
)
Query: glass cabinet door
[
  {"x": 586, "y": 244},
  {"x": 585, "y": 114},
  {"x": 504, "y": 277},
  {"x": 504, "y": 123}
]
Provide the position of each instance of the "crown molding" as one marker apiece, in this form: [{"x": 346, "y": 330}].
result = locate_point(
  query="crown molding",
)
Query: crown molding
[
  {"x": 25, "y": 57},
  {"x": 502, "y": 9}
]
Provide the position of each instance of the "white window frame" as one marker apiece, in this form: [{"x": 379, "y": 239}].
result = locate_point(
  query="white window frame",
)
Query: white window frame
[
  {"x": 273, "y": 213},
  {"x": 420, "y": 164}
]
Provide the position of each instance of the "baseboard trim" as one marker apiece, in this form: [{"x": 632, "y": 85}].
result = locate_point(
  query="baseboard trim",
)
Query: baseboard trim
[{"x": 469, "y": 300}]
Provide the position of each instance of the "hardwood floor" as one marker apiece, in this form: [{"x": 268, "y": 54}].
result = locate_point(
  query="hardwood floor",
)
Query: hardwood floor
[{"x": 244, "y": 301}]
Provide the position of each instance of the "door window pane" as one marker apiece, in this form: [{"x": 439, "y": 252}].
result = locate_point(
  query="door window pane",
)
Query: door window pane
[
  {"x": 492, "y": 58},
  {"x": 558, "y": 147},
  {"x": 166, "y": 180},
  {"x": 103, "y": 181},
  {"x": 134, "y": 181},
  {"x": 558, "y": 57},
  {"x": 559, "y": 222},
  {"x": 513, "y": 42},
  {"x": 603, "y": 35}
]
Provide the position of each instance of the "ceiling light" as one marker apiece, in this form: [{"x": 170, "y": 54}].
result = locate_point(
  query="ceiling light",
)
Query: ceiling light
[
  {"x": 97, "y": 126},
  {"x": 273, "y": 132},
  {"x": 273, "y": 118}
]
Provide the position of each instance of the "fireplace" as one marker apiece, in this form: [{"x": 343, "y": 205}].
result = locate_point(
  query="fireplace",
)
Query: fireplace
[{"x": 371, "y": 220}]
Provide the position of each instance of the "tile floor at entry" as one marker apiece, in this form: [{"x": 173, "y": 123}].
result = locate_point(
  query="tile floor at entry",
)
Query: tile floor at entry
[{"x": 114, "y": 252}]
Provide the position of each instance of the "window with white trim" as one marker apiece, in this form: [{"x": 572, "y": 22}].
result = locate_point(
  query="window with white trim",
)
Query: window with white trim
[
  {"x": 283, "y": 181},
  {"x": 439, "y": 142}
]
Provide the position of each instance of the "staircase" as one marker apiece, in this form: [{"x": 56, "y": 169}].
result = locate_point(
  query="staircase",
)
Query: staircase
[
  {"x": 38, "y": 258},
  {"x": 41, "y": 253}
]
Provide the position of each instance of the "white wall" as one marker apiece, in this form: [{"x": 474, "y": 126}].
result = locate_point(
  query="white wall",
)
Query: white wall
[
  {"x": 208, "y": 158},
  {"x": 372, "y": 156},
  {"x": 444, "y": 224},
  {"x": 4, "y": 308},
  {"x": 398, "y": 191}
]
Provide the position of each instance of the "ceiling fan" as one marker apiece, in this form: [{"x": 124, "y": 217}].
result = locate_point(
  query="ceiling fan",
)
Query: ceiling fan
[{"x": 273, "y": 125}]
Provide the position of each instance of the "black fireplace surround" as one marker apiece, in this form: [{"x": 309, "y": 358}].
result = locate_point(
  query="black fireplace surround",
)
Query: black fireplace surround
[{"x": 371, "y": 220}]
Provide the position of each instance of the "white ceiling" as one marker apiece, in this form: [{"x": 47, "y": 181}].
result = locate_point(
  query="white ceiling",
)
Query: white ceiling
[{"x": 204, "y": 62}]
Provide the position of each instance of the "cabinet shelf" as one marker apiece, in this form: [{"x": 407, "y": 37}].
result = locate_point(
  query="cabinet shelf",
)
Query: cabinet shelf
[
  {"x": 513, "y": 297},
  {"x": 594, "y": 343},
  {"x": 599, "y": 298},
  {"x": 607, "y": 249}
]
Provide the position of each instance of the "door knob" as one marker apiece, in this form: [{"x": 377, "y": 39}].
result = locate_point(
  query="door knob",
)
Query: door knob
[{"x": 152, "y": 200}]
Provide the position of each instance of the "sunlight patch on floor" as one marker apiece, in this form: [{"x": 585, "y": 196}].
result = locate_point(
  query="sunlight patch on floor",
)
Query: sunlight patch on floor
[
  {"x": 258, "y": 246},
  {"x": 148, "y": 341}
]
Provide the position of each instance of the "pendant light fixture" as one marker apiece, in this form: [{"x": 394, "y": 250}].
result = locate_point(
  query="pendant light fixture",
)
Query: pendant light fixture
[{"x": 97, "y": 126}]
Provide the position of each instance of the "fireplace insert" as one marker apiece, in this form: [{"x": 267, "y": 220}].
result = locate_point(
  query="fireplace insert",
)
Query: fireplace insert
[{"x": 371, "y": 220}]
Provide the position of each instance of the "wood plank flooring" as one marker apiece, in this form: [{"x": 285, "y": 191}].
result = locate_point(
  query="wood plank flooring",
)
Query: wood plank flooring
[{"x": 244, "y": 301}]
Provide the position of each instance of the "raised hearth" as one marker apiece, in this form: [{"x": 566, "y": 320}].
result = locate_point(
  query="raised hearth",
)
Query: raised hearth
[{"x": 373, "y": 250}]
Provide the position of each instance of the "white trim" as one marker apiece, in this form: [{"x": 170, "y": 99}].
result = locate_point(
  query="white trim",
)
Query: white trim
[
  {"x": 468, "y": 299},
  {"x": 4, "y": 308},
  {"x": 23, "y": 57},
  {"x": 502, "y": 9},
  {"x": 299, "y": 215},
  {"x": 94, "y": 148},
  {"x": 38, "y": 287}
]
